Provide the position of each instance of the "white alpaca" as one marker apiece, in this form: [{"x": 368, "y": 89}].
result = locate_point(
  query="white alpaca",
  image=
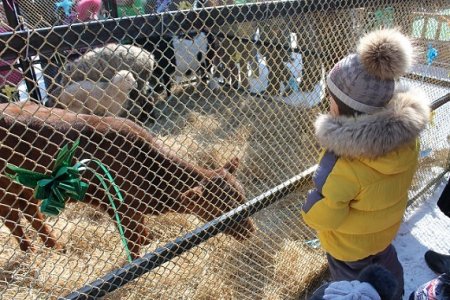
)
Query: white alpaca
[
  {"x": 103, "y": 63},
  {"x": 100, "y": 98}
]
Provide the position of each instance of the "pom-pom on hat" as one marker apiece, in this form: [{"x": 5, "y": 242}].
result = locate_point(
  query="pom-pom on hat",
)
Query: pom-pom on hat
[{"x": 365, "y": 81}]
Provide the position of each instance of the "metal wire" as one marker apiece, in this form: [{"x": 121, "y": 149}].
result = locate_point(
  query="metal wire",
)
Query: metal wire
[{"x": 167, "y": 94}]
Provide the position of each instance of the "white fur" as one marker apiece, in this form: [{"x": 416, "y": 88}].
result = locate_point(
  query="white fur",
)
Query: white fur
[
  {"x": 100, "y": 98},
  {"x": 186, "y": 51},
  {"x": 103, "y": 63},
  {"x": 371, "y": 136}
]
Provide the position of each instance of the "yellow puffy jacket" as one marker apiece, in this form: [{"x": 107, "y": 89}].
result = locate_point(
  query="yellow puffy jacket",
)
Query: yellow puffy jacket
[{"x": 363, "y": 178}]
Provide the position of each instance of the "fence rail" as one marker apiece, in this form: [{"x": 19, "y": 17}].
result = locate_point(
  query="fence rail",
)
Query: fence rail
[
  {"x": 231, "y": 81},
  {"x": 25, "y": 42}
]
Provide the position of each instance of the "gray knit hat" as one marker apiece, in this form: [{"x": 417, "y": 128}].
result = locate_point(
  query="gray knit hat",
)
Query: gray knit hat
[
  {"x": 365, "y": 81},
  {"x": 350, "y": 290}
]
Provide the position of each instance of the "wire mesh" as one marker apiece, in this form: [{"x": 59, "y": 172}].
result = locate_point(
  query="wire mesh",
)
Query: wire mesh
[{"x": 167, "y": 95}]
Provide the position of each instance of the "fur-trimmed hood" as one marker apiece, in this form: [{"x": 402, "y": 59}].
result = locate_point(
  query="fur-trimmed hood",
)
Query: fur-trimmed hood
[{"x": 373, "y": 135}]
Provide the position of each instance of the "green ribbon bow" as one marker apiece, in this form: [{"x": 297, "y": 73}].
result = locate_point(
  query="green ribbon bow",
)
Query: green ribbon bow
[{"x": 64, "y": 182}]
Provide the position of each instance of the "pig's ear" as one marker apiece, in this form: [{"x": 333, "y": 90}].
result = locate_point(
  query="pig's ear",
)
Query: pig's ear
[
  {"x": 232, "y": 165},
  {"x": 192, "y": 195}
]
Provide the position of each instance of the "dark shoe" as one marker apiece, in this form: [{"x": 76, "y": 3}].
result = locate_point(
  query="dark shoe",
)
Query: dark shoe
[
  {"x": 444, "y": 200},
  {"x": 438, "y": 263}
]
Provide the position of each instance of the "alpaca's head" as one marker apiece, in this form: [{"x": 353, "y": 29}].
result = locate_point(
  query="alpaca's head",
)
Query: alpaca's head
[
  {"x": 124, "y": 80},
  {"x": 217, "y": 195}
]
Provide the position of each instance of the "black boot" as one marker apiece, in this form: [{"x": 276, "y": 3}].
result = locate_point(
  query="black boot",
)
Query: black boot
[
  {"x": 438, "y": 263},
  {"x": 444, "y": 200}
]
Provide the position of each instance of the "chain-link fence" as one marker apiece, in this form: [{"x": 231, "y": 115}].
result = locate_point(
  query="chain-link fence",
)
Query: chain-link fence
[{"x": 195, "y": 108}]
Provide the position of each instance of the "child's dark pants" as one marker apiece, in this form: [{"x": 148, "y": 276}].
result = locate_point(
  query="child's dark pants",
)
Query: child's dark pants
[{"x": 341, "y": 270}]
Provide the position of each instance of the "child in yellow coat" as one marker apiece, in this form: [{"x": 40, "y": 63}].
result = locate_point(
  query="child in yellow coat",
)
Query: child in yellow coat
[{"x": 370, "y": 156}]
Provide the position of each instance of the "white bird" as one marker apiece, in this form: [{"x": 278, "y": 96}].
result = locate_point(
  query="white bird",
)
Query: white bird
[
  {"x": 295, "y": 67},
  {"x": 259, "y": 84},
  {"x": 100, "y": 98},
  {"x": 299, "y": 97}
]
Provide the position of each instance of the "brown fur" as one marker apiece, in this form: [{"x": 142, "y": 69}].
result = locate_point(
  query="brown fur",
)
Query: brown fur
[{"x": 152, "y": 179}]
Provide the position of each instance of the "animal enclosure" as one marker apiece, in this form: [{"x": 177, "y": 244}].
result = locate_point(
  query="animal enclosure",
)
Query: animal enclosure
[{"x": 202, "y": 113}]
